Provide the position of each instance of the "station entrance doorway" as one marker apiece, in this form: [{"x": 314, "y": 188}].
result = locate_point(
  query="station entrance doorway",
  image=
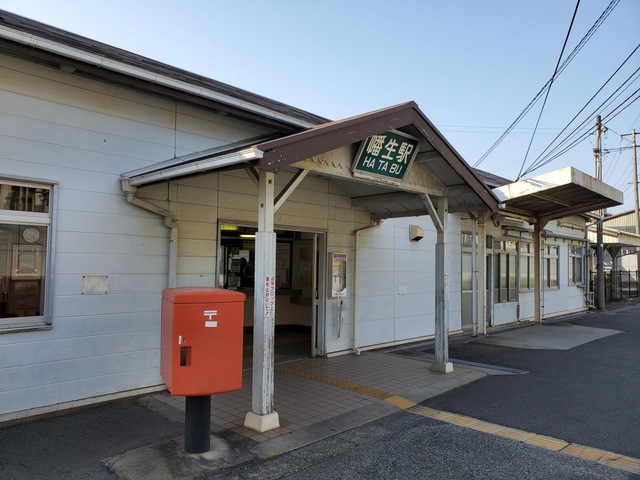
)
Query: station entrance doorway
[{"x": 300, "y": 271}]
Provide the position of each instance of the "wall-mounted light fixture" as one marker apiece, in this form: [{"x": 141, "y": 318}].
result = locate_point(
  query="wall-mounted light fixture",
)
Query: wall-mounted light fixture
[{"x": 416, "y": 233}]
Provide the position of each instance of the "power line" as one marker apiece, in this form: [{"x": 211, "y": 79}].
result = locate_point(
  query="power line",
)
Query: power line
[
  {"x": 573, "y": 53},
  {"x": 587, "y": 104},
  {"x": 555, "y": 72},
  {"x": 551, "y": 156}
]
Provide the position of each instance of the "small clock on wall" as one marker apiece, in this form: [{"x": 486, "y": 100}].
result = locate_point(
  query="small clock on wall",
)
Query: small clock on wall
[{"x": 31, "y": 234}]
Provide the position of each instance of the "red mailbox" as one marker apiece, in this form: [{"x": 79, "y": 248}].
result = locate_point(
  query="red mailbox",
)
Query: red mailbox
[{"x": 201, "y": 340}]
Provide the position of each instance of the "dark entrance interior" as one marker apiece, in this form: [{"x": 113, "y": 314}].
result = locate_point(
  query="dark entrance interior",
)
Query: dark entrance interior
[{"x": 296, "y": 281}]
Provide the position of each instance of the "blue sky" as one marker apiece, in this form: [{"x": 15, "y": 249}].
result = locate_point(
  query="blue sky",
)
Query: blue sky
[{"x": 471, "y": 66}]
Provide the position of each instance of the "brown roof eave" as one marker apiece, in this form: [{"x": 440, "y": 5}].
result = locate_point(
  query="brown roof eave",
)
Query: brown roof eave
[
  {"x": 332, "y": 135},
  {"x": 454, "y": 159},
  {"x": 285, "y": 151}
]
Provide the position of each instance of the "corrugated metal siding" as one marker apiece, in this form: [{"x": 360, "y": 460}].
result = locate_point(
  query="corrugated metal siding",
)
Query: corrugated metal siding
[{"x": 626, "y": 223}]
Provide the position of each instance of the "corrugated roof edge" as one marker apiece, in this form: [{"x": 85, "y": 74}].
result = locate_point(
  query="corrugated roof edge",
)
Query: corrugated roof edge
[
  {"x": 491, "y": 179},
  {"x": 48, "y": 32}
]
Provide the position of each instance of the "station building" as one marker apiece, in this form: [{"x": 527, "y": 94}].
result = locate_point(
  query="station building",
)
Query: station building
[{"x": 121, "y": 176}]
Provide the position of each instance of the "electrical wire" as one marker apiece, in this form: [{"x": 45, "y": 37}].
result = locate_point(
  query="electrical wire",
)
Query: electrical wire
[
  {"x": 612, "y": 166},
  {"x": 568, "y": 60},
  {"x": 552, "y": 156},
  {"x": 587, "y": 104},
  {"x": 555, "y": 72}
]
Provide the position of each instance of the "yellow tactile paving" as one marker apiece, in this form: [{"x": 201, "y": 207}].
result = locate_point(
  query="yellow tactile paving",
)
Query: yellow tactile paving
[
  {"x": 610, "y": 459},
  {"x": 549, "y": 443},
  {"x": 628, "y": 464},
  {"x": 514, "y": 434},
  {"x": 337, "y": 382},
  {"x": 486, "y": 427},
  {"x": 582, "y": 451},
  {"x": 400, "y": 402},
  {"x": 462, "y": 420},
  {"x": 422, "y": 411}
]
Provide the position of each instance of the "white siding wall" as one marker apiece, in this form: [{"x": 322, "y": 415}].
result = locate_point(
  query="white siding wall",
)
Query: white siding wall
[
  {"x": 83, "y": 135},
  {"x": 316, "y": 205},
  {"x": 388, "y": 262}
]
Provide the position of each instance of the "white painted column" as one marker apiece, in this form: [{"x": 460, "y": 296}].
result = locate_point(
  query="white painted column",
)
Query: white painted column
[
  {"x": 537, "y": 271},
  {"x": 262, "y": 417},
  {"x": 441, "y": 363},
  {"x": 482, "y": 274}
]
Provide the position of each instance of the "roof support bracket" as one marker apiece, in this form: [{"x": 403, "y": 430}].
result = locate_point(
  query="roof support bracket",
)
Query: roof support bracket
[
  {"x": 253, "y": 174},
  {"x": 289, "y": 188},
  {"x": 433, "y": 212}
]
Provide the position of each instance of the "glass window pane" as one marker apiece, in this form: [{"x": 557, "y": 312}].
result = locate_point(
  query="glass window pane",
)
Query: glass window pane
[
  {"x": 23, "y": 250},
  {"x": 553, "y": 272},
  {"x": 24, "y": 198},
  {"x": 512, "y": 277},
  {"x": 524, "y": 272},
  {"x": 466, "y": 271}
]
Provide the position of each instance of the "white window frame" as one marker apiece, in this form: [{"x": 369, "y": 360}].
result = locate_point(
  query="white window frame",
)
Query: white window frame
[
  {"x": 505, "y": 289},
  {"x": 44, "y": 321},
  {"x": 551, "y": 253},
  {"x": 572, "y": 257},
  {"x": 525, "y": 251}
]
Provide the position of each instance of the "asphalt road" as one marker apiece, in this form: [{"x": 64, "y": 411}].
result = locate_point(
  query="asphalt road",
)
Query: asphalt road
[
  {"x": 72, "y": 446},
  {"x": 405, "y": 446},
  {"x": 589, "y": 394}
]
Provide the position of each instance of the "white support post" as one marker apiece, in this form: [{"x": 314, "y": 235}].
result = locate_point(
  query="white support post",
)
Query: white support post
[
  {"x": 537, "y": 271},
  {"x": 482, "y": 273},
  {"x": 441, "y": 363},
  {"x": 262, "y": 417}
]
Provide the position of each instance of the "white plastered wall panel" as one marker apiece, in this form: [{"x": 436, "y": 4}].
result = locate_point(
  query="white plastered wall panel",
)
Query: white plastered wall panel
[
  {"x": 83, "y": 134},
  {"x": 396, "y": 282}
]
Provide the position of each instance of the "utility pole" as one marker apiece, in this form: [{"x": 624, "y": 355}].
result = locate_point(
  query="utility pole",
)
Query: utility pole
[
  {"x": 597, "y": 152},
  {"x": 636, "y": 216},
  {"x": 635, "y": 179}
]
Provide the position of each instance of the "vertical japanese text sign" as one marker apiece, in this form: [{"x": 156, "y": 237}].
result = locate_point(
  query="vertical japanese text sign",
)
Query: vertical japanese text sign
[{"x": 387, "y": 157}]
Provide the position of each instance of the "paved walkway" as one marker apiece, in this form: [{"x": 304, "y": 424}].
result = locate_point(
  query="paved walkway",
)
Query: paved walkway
[{"x": 310, "y": 391}]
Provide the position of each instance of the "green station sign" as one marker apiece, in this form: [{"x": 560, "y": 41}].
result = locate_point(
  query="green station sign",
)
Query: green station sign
[{"x": 386, "y": 157}]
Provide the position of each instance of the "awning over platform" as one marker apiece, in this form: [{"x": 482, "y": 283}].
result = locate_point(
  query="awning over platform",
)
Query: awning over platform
[{"x": 557, "y": 194}]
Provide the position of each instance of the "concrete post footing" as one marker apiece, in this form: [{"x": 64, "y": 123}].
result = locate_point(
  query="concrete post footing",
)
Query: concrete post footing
[
  {"x": 262, "y": 423},
  {"x": 442, "y": 367}
]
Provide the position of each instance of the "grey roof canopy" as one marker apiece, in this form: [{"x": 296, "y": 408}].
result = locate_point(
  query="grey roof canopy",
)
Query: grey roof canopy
[
  {"x": 42, "y": 43},
  {"x": 557, "y": 194},
  {"x": 450, "y": 175}
]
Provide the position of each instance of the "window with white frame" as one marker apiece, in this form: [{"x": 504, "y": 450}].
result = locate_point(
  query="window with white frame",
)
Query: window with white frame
[
  {"x": 467, "y": 260},
  {"x": 527, "y": 273},
  {"x": 551, "y": 264},
  {"x": 505, "y": 254},
  {"x": 25, "y": 222},
  {"x": 576, "y": 265}
]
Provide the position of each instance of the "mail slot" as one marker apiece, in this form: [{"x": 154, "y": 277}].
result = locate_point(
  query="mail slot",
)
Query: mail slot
[{"x": 201, "y": 340}]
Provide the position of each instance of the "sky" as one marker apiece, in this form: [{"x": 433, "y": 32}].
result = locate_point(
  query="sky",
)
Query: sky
[{"x": 471, "y": 66}]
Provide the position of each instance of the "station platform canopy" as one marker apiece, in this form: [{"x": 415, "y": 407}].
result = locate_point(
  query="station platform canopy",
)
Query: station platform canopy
[{"x": 557, "y": 194}]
